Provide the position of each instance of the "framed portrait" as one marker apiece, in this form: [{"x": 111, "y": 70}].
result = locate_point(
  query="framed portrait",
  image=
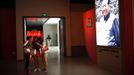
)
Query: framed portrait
[
  {"x": 107, "y": 23},
  {"x": 89, "y": 22}
]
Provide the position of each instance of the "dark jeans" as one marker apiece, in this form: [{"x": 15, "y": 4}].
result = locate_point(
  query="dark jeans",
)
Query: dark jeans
[{"x": 26, "y": 60}]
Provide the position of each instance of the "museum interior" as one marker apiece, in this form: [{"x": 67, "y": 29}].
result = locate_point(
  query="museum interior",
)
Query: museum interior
[{"x": 71, "y": 30}]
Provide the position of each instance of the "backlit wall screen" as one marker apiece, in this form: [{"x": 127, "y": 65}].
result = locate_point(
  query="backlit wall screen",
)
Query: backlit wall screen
[{"x": 107, "y": 23}]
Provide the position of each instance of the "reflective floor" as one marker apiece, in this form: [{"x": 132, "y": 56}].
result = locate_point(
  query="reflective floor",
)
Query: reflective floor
[
  {"x": 56, "y": 66},
  {"x": 68, "y": 66}
]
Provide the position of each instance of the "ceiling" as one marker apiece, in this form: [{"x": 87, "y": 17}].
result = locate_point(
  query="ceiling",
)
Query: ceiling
[
  {"x": 11, "y": 3},
  {"x": 41, "y": 21},
  {"x": 7, "y": 3},
  {"x": 82, "y": 1}
]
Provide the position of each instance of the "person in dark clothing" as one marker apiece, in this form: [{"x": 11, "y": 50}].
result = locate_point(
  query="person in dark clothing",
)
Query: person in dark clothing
[
  {"x": 36, "y": 56},
  {"x": 27, "y": 49}
]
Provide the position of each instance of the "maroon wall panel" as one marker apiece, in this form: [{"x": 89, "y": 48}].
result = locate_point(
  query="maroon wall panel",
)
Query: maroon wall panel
[
  {"x": 8, "y": 33},
  {"x": 127, "y": 39}
]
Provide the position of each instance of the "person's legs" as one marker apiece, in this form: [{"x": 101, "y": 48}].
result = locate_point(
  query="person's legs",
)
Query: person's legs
[
  {"x": 36, "y": 63},
  {"x": 44, "y": 59},
  {"x": 26, "y": 59}
]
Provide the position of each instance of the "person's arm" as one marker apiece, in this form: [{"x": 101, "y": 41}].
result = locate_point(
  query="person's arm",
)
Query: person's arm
[
  {"x": 25, "y": 48},
  {"x": 25, "y": 43},
  {"x": 39, "y": 44},
  {"x": 44, "y": 46},
  {"x": 116, "y": 31}
]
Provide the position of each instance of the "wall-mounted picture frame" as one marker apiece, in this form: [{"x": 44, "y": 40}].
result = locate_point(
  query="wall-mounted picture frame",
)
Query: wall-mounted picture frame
[
  {"x": 89, "y": 22},
  {"x": 107, "y": 23}
]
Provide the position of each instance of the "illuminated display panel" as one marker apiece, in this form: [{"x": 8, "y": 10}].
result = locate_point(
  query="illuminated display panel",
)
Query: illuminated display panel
[
  {"x": 34, "y": 33},
  {"x": 107, "y": 23}
]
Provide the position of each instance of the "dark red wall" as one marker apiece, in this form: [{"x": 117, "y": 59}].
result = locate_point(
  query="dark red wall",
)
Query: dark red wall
[
  {"x": 89, "y": 34},
  {"x": 7, "y": 34},
  {"x": 127, "y": 37}
]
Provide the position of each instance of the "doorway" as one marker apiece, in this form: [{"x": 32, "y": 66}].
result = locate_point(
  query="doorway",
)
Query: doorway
[{"x": 52, "y": 30}]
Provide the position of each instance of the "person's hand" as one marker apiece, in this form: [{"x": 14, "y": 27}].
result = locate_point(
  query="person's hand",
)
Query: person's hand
[
  {"x": 45, "y": 48},
  {"x": 26, "y": 50}
]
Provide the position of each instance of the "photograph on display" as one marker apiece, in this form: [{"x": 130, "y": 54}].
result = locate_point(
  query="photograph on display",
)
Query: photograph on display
[{"x": 107, "y": 23}]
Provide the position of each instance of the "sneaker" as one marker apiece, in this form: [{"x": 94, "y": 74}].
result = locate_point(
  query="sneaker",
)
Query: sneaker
[{"x": 35, "y": 70}]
